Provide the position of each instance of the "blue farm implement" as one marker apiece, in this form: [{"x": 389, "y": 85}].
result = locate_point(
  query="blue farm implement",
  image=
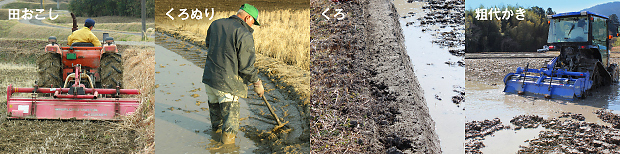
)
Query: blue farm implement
[{"x": 583, "y": 64}]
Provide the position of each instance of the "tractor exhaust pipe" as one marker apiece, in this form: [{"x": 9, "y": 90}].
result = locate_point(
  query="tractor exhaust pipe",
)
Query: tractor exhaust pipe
[{"x": 75, "y": 26}]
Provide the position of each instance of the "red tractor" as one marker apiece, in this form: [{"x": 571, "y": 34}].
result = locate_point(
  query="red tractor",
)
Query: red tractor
[{"x": 75, "y": 82}]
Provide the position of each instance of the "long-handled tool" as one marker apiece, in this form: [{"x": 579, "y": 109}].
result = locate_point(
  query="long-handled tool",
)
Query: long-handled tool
[{"x": 280, "y": 124}]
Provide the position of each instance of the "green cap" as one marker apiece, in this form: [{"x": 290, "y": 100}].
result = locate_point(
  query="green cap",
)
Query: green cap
[{"x": 252, "y": 11}]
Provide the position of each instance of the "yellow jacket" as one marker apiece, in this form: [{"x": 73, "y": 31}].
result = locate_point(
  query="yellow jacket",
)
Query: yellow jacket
[{"x": 84, "y": 35}]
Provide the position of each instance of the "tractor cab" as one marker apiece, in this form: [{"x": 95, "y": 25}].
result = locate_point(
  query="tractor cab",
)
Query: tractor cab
[{"x": 580, "y": 37}]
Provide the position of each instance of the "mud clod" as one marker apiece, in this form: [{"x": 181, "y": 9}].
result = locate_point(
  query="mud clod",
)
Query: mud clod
[
  {"x": 458, "y": 99},
  {"x": 608, "y": 117},
  {"x": 576, "y": 116},
  {"x": 446, "y": 14},
  {"x": 475, "y": 131},
  {"x": 569, "y": 136},
  {"x": 561, "y": 136},
  {"x": 460, "y": 52},
  {"x": 528, "y": 121}
]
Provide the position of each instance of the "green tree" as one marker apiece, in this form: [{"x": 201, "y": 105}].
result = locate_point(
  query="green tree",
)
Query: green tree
[
  {"x": 506, "y": 35},
  {"x": 550, "y": 11}
]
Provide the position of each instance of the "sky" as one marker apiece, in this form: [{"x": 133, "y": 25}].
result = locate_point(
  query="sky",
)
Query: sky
[{"x": 558, "y": 6}]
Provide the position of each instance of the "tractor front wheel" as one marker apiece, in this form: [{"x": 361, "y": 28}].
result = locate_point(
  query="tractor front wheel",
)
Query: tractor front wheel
[
  {"x": 49, "y": 70},
  {"x": 111, "y": 70}
]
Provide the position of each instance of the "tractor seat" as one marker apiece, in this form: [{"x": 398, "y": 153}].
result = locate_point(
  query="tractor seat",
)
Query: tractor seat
[{"x": 82, "y": 44}]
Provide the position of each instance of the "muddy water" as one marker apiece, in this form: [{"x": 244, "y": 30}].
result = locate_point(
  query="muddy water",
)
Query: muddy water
[
  {"x": 437, "y": 79},
  {"x": 487, "y": 101},
  {"x": 181, "y": 109},
  {"x": 175, "y": 128}
]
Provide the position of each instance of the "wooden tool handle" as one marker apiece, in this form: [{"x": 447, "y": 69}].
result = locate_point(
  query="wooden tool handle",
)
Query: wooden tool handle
[{"x": 271, "y": 110}]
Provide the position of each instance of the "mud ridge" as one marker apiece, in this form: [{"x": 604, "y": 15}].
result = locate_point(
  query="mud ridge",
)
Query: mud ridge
[
  {"x": 364, "y": 91},
  {"x": 394, "y": 82}
]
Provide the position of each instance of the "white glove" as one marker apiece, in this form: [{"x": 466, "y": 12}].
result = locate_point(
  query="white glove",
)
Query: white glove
[{"x": 258, "y": 88}]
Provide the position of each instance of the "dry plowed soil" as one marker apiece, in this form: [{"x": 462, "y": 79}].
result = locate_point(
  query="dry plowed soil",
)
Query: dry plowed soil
[{"x": 17, "y": 67}]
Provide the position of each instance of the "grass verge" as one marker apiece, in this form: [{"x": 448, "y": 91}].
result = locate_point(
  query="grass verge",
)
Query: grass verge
[
  {"x": 115, "y": 23},
  {"x": 36, "y": 5},
  {"x": 15, "y": 30},
  {"x": 102, "y": 19},
  {"x": 4, "y": 14},
  {"x": 127, "y": 27}
]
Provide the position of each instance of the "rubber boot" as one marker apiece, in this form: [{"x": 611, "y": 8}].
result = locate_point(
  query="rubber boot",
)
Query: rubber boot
[
  {"x": 230, "y": 121},
  {"x": 230, "y": 117},
  {"x": 215, "y": 113},
  {"x": 228, "y": 138}
]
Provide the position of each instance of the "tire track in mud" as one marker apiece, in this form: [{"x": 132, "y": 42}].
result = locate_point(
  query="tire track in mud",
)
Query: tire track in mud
[{"x": 257, "y": 126}]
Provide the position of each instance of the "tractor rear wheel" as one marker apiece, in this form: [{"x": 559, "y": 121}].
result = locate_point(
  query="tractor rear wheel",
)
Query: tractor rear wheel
[
  {"x": 111, "y": 70},
  {"x": 50, "y": 70},
  {"x": 615, "y": 75}
]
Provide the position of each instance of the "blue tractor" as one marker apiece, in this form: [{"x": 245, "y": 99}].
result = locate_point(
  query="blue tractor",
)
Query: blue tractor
[{"x": 583, "y": 39}]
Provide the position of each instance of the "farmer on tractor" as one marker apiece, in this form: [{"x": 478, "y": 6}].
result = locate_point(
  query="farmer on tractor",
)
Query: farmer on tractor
[
  {"x": 229, "y": 68},
  {"x": 84, "y": 35}
]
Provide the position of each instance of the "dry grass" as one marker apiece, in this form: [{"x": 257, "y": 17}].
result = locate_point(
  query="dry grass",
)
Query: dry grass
[
  {"x": 103, "y": 19},
  {"x": 45, "y": 1},
  {"x": 14, "y": 75},
  {"x": 14, "y": 29},
  {"x": 140, "y": 74},
  {"x": 4, "y": 14},
  {"x": 127, "y": 27},
  {"x": 35, "y": 5},
  {"x": 116, "y": 23},
  {"x": 283, "y": 34}
]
